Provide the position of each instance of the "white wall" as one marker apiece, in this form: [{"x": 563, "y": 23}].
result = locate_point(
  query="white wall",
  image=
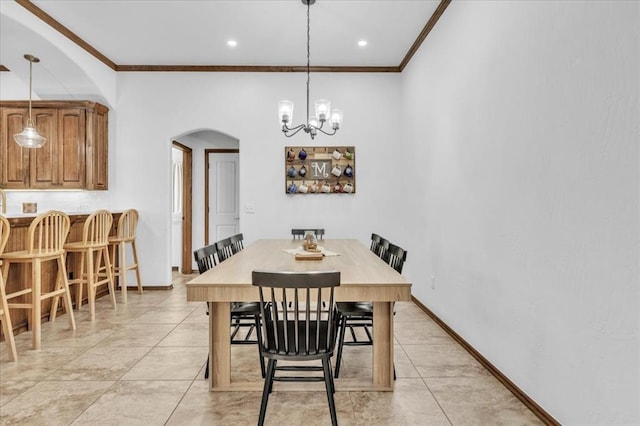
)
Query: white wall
[
  {"x": 155, "y": 107},
  {"x": 523, "y": 124}
]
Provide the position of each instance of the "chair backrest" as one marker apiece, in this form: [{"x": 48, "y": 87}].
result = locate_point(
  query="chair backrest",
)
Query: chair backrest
[
  {"x": 298, "y": 312},
  {"x": 223, "y": 249},
  {"x": 205, "y": 257},
  {"x": 382, "y": 249},
  {"x": 4, "y": 233},
  {"x": 375, "y": 243},
  {"x": 48, "y": 232},
  {"x": 97, "y": 227},
  {"x": 127, "y": 224},
  {"x": 237, "y": 243},
  {"x": 396, "y": 256},
  {"x": 299, "y": 233}
]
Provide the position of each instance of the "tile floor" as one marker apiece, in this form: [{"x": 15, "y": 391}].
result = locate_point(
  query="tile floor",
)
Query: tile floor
[{"x": 143, "y": 364}]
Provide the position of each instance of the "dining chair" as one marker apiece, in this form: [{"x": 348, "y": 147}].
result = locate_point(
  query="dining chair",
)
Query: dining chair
[
  {"x": 45, "y": 243},
  {"x": 299, "y": 233},
  {"x": 304, "y": 333},
  {"x": 237, "y": 243},
  {"x": 359, "y": 315},
  {"x": 244, "y": 315},
  {"x": 224, "y": 249},
  {"x": 382, "y": 249},
  {"x": 125, "y": 234},
  {"x": 375, "y": 243},
  {"x": 94, "y": 263},
  {"x": 7, "y": 326}
]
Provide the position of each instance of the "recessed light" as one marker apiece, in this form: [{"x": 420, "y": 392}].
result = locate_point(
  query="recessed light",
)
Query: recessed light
[
  {"x": 362, "y": 43},
  {"x": 232, "y": 43}
]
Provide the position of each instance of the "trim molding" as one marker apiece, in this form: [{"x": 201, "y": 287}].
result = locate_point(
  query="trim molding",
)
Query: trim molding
[
  {"x": 424, "y": 33},
  {"x": 48, "y": 19},
  {"x": 66, "y": 32},
  {"x": 512, "y": 387},
  {"x": 249, "y": 68}
]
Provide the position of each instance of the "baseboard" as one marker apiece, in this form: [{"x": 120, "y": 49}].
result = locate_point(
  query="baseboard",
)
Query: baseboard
[{"x": 515, "y": 390}]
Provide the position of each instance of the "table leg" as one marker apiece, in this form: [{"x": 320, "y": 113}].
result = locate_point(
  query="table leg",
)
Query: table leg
[
  {"x": 220, "y": 345},
  {"x": 383, "y": 345}
]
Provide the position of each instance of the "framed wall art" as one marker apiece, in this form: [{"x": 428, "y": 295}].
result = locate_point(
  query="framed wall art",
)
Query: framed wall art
[{"x": 320, "y": 170}]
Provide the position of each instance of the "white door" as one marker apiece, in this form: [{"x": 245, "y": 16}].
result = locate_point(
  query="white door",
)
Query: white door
[{"x": 224, "y": 204}]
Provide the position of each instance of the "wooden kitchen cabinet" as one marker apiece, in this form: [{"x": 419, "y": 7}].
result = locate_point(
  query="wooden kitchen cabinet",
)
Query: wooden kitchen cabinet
[{"x": 75, "y": 155}]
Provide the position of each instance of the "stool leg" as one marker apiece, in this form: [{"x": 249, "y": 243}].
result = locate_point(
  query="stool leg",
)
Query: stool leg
[
  {"x": 135, "y": 261},
  {"x": 80, "y": 282},
  {"x": 91, "y": 285},
  {"x": 67, "y": 293},
  {"x": 7, "y": 327},
  {"x": 36, "y": 304},
  {"x": 123, "y": 272},
  {"x": 107, "y": 264}
]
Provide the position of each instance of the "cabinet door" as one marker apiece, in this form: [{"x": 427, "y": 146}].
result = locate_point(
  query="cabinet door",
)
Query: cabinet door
[
  {"x": 71, "y": 160},
  {"x": 13, "y": 158},
  {"x": 42, "y": 170},
  {"x": 97, "y": 149}
]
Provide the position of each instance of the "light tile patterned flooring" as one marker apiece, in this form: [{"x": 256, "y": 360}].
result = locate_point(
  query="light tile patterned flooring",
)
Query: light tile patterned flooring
[{"x": 143, "y": 364}]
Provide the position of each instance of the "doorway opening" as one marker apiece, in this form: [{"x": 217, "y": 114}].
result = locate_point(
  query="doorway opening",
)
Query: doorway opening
[{"x": 182, "y": 211}]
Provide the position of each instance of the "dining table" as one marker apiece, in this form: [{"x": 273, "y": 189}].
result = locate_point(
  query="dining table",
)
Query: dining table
[{"x": 364, "y": 277}]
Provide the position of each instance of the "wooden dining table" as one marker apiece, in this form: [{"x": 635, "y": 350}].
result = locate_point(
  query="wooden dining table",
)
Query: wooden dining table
[{"x": 363, "y": 277}]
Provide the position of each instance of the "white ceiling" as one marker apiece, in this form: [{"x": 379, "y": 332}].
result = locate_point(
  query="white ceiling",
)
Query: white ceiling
[{"x": 186, "y": 32}]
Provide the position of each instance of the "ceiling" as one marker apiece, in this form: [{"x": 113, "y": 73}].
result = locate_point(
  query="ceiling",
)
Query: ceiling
[{"x": 146, "y": 34}]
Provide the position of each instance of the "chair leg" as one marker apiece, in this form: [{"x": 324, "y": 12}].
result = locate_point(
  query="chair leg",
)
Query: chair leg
[
  {"x": 7, "y": 326},
  {"x": 342, "y": 323},
  {"x": 80, "y": 282},
  {"x": 329, "y": 387},
  {"x": 107, "y": 267},
  {"x": 259, "y": 338},
  {"x": 67, "y": 293},
  {"x": 206, "y": 369},
  {"x": 91, "y": 285},
  {"x": 36, "y": 304},
  {"x": 135, "y": 261},
  {"x": 268, "y": 382},
  {"x": 123, "y": 272}
]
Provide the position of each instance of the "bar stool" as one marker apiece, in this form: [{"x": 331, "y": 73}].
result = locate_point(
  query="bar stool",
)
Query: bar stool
[
  {"x": 125, "y": 234},
  {"x": 93, "y": 251},
  {"x": 7, "y": 327},
  {"x": 45, "y": 243}
]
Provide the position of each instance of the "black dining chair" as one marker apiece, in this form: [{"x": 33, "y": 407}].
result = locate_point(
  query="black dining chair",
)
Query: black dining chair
[
  {"x": 306, "y": 332},
  {"x": 375, "y": 243},
  {"x": 244, "y": 315},
  {"x": 359, "y": 315},
  {"x": 237, "y": 243},
  {"x": 299, "y": 233}
]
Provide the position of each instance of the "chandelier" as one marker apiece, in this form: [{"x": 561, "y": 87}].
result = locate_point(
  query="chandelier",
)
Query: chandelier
[
  {"x": 29, "y": 137},
  {"x": 322, "y": 106}
]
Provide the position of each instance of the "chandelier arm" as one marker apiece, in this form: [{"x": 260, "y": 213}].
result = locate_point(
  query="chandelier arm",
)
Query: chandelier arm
[
  {"x": 327, "y": 133},
  {"x": 287, "y": 130}
]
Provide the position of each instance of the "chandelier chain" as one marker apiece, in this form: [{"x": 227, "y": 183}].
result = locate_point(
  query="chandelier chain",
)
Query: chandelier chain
[{"x": 308, "y": 56}]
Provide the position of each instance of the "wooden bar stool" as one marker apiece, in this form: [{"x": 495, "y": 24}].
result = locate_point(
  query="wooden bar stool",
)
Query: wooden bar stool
[
  {"x": 125, "y": 234},
  {"x": 45, "y": 243},
  {"x": 7, "y": 327},
  {"x": 95, "y": 265}
]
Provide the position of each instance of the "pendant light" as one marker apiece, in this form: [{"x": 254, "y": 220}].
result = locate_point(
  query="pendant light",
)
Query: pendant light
[
  {"x": 29, "y": 137},
  {"x": 324, "y": 112}
]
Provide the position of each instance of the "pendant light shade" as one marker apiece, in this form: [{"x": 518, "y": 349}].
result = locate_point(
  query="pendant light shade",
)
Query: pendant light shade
[{"x": 29, "y": 137}]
